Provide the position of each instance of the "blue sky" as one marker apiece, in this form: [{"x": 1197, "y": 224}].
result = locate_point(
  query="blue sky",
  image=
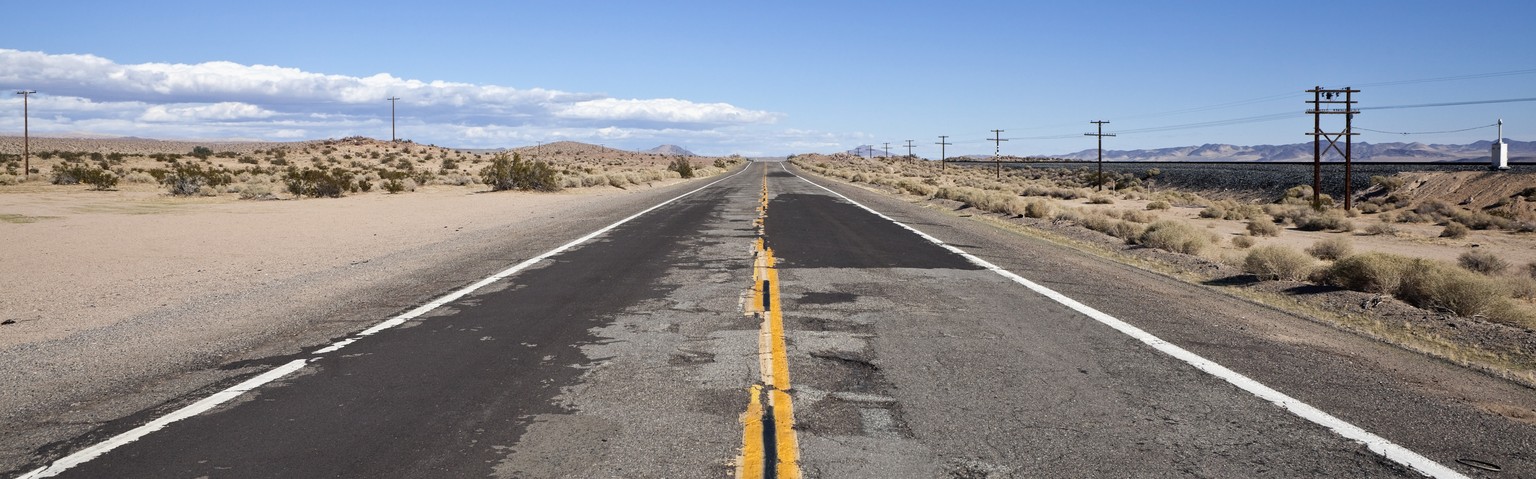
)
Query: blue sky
[{"x": 764, "y": 77}]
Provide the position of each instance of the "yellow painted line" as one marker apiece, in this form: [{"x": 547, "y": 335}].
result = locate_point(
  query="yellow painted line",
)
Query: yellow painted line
[
  {"x": 784, "y": 435},
  {"x": 773, "y": 368},
  {"x": 750, "y": 466}
]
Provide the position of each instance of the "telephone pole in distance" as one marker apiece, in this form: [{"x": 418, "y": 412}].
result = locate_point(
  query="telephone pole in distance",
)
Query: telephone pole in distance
[
  {"x": 997, "y": 152},
  {"x": 1101, "y": 136},
  {"x": 943, "y": 142},
  {"x": 392, "y": 101}
]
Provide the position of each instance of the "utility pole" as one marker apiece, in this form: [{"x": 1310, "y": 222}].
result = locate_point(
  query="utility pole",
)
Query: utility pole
[
  {"x": 997, "y": 152},
  {"x": 26, "y": 135},
  {"x": 392, "y": 101},
  {"x": 909, "y": 150},
  {"x": 943, "y": 142},
  {"x": 1320, "y": 97},
  {"x": 1101, "y": 136},
  {"x": 887, "y": 150}
]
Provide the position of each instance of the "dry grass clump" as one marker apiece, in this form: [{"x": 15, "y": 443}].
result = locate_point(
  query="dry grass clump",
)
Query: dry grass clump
[
  {"x": 1174, "y": 236},
  {"x": 1331, "y": 248},
  {"x": 1038, "y": 209},
  {"x": 1429, "y": 284},
  {"x": 1231, "y": 210},
  {"x": 1103, "y": 223},
  {"x": 1481, "y": 261},
  {"x": 1275, "y": 262},
  {"x": 989, "y": 201}
]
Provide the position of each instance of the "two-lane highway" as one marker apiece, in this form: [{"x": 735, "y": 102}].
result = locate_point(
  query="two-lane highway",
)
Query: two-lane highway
[{"x": 767, "y": 326}]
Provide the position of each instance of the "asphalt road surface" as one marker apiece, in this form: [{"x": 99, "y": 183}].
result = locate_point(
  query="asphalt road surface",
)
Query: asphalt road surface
[{"x": 765, "y": 326}]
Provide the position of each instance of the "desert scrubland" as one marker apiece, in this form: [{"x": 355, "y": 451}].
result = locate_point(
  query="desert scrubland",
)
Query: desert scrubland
[{"x": 1443, "y": 262}]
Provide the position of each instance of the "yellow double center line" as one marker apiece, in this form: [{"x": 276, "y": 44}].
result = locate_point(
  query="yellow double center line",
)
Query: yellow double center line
[{"x": 769, "y": 447}]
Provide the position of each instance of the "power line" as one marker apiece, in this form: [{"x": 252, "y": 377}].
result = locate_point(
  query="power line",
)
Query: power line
[
  {"x": 1490, "y": 125},
  {"x": 1472, "y": 76},
  {"x": 1454, "y": 103}
]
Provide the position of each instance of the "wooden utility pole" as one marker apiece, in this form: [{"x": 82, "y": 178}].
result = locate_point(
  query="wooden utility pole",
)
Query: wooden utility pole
[
  {"x": 1320, "y": 97},
  {"x": 943, "y": 142},
  {"x": 997, "y": 152},
  {"x": 909, "y": 150},
  {"x": 887, "y": 150},
  {"x": 1101, "y": 136}
]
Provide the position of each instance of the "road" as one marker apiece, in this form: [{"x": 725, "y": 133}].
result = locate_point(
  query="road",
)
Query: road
[{"x": 767, "y": 326}]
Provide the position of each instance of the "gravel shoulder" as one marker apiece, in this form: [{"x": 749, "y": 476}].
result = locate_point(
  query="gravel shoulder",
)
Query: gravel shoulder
[{"x": 127, "y": 301}]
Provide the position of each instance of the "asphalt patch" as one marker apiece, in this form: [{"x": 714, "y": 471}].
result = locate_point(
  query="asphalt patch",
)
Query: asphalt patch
[{"x": 819, "y": 231}]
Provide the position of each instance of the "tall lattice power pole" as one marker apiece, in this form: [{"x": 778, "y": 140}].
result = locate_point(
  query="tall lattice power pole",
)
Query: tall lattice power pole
[
  {"x": 1101, "y": 136},
  {"x": 26, "y": 134},
  {"x": 943, "y": 142},
  {"x": 909, "y": 150},
  {"x": 1322, "y": 96},
  {"x": 392, "y": 101},
  {"x": 997, "y": 151}
]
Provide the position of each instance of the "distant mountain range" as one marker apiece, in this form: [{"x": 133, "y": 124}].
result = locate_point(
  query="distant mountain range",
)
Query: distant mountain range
[
  {"x": 671, "y": 150},
  {"x": 1476, "y": 152}
]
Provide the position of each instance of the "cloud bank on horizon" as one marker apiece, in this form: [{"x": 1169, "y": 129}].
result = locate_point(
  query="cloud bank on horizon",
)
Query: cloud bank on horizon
[{"x": 82, "y": 94}]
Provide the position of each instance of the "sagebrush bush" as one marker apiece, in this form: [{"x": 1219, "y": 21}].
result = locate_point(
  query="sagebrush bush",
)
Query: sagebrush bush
[
  {"x": 1174, "y": 236},
  {"x": 1158, "y": 205},
  {"x": 1331, "y": 248},
  {"x": 682, "y": 166},
  {"x": 1432, "y": 284},
  {"x": 1482, "y": 261},
  {"x": 1101, "y": 200},
  {"x": 1038, "y": 209},
  {"x": 1263, "y": 226},
  {"x": 1372, "y": 272},
  {"x": 1454, "y": 230},
  {"x": 1331, "y": 220},
  {"x": 189, "y": 179},
  {"x": 318, "y": 183},
  {"x": 1276, "y": 262},
  {"x": 1382, "y": 228},
  {"x": 1244, "y": 242},
  {"x": 1135, "y": 216}
]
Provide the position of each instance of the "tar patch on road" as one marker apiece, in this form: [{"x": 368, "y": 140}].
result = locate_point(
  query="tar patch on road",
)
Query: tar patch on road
[{"x": 818, "y": 231}]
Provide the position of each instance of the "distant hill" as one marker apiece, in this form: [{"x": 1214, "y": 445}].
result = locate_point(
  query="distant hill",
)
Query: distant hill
[
  {"x": 1476, "y": 152},
  {"x": 671, "y": 150}
]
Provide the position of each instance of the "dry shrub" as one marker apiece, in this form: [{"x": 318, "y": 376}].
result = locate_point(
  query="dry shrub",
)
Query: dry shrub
[
  {"x": 1136, "y": 216},
  {"x": 1331, "y": 220},
  {"x": 1101, "y": 200},
  {"x": 1437, "y": 285},
  {"x": 1531, "y": 268},
  {"x": 1037, "y": 209},
  {"x": 1482, "y": 261},
  {"x": 1174, "y": 236},
  {"x": 1331, "y": 248},
  {"x": 1102, "y": 223},
  {"x": 1454, "y": 230},
  {"x": 1263, "y": 226},
  {"x": 1382, "y": 228},
  {"x": 1158, "y": 205},
  {"x": 1275, "y": 262},
  {"x": 1244, "y": 242},
  {"x": 1373, "y": 272}
]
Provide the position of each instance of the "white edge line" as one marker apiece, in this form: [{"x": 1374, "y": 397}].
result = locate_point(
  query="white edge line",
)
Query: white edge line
[
  {"x": 1376, "y": 444},
  {"x": 203, "y": 405}
]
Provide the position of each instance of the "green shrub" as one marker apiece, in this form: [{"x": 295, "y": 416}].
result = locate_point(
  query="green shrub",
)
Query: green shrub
[
  {"x": 317, "y": 183},
  {"x": 1275, "y": 262},
  {"x": 1331, "y": 248},
  {"x": 1173, "y": 236},
  {"x": 508, "y": 173},
  {"x": 1158, "y": 205},
  {"x": 1263, "y": 226},
  {"x": 202, "y": 152},
  {"x": 73, "y": 174},
  {"x": 1482, "y": 261},
  {"x": 188, "y": 179},
  {"x": 1454, "y": 230},
  {"x": 682, "y": 167}
]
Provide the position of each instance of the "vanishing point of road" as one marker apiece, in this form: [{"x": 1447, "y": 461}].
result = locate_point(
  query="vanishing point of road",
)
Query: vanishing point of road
[{"x": 771, "y": 324}]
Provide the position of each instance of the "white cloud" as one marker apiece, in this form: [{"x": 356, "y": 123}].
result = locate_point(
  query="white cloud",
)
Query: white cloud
[{"x": 220, "y": 99}]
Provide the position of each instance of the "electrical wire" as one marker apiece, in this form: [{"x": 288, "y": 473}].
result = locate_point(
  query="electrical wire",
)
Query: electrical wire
[
  {"x": 1472, "y": 76},
  {"x": 1490, "y": 125},
  {"x": 1454, "y": 103}
]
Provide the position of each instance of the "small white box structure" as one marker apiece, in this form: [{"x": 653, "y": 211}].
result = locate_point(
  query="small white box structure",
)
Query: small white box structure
[{"x": 1500, "y": 159}]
